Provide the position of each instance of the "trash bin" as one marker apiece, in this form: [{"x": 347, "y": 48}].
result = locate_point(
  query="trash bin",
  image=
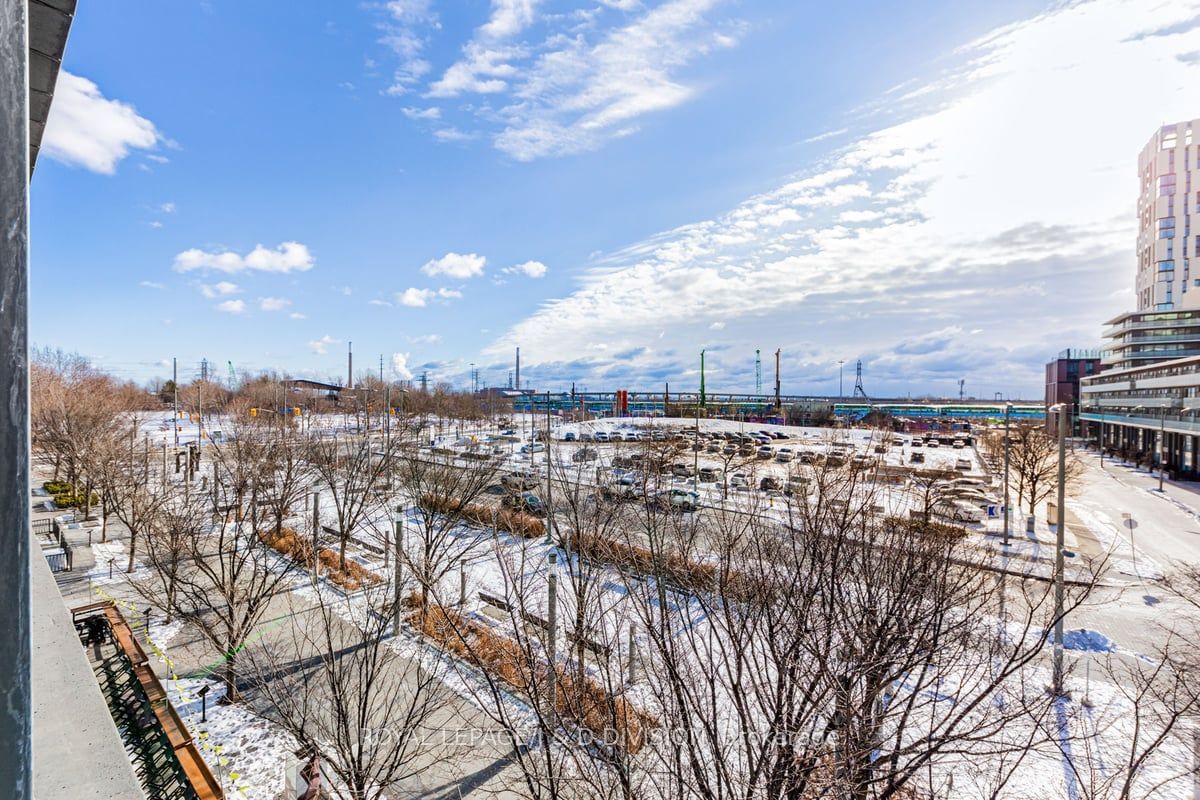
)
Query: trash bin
[{"x": 1029, "y": 522}]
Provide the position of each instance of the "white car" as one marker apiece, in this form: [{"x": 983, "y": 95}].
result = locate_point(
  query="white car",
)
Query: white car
[
  {"x": 533, "y": 447},
  {"x": 601, "y": 436},
  {"x": 784, "y": 455}
]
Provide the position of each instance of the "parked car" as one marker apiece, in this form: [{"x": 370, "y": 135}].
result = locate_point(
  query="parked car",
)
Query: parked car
[
  {"x": 962, "y": 465},
  {"x": 917, "y": 443},
  {"x": 569, "y": 436},
  {"x": 633, "y": 436},
  {"x": 770, "y": 484},
  {"x": 797, "y": 484},
  {"x": 932, "y": 443},
  {"x": 533, "y": 447},
  {"x": 957, "y": 511},
  {"x": 682, "y": 470},
  {"x": 586, "y": 437},
  {"x": 602, "y": 436},
  {"x": 680, "y": 500},
  {"x": 622, "y": 461},
  {"x": 765, "y": 452},
  {"x": 958, "y": 444},
  {"x": 916, "y": 458},
  {"x": 739, "y": 480},
  {"x": 709, "y": 475},
  {"x": 784, "y": 455},
  {"x": 584, "y": 454},
  {"x": 624, "y": 488},
  {"x": 729, "y": 450},
  {"x": 525, "y": 502},
  {"x": 519, "y": 481},
  {"x": 713, "y": 447}
]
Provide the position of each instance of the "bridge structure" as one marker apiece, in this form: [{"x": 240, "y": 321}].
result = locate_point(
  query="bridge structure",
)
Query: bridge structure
[{"x": 632, "y": 403}]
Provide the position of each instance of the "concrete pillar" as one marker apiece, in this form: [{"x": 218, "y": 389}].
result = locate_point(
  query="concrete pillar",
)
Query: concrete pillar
[{"x": 16, "y": 765}]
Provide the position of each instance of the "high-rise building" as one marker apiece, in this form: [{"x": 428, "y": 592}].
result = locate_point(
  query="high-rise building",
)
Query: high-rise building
[
  {"x": 1146, "y": 401},
  {"x": 1168, "y": 203}
]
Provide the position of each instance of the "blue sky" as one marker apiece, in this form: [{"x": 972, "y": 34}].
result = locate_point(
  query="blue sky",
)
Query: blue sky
[{"x": 944, "y": 190}]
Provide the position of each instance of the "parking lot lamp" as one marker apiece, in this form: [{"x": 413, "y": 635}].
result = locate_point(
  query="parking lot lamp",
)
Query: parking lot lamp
[
  {"x": 1007, "y": 522},
  {"x": 1059, "y": 545}
]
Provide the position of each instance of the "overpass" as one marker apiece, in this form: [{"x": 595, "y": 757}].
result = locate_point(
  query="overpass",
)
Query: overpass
[{"x": 732, "y": 405}]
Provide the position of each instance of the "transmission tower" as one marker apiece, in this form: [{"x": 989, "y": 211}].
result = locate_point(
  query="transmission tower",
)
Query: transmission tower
[
  {"x": 858, "y": 387},
  {"x": 757, "y": 372}
]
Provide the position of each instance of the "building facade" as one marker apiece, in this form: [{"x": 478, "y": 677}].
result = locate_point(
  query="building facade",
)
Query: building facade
[
  {"x": 1167, "y": 205},
  {"x": 1063, "y": 375},
  {"x": 1143, "y": 405}
]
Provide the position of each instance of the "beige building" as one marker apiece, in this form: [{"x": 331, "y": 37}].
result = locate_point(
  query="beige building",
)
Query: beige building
[{"x": 1168, "y": 203}]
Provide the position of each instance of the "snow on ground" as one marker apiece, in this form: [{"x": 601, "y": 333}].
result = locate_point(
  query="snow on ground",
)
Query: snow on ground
[
  {"x": 247, "y": 753},
  {"x": 113, "y": 557}
]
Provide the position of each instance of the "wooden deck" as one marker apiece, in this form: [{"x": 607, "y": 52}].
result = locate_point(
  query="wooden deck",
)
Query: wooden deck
[{"x": 203, "y": 782}]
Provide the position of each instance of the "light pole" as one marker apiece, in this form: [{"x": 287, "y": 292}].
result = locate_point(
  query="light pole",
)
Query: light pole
[
  {"x": 1007, "y": 523},
  {"x": 1162, "y": 445},
  {"x": 841, "y": 393},
  {"x": 1059, "y": 545}
]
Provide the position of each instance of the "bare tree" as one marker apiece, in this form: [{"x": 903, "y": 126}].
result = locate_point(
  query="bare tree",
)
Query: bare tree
[
  {"x": 332, "y": 680},
  {"x": 352, "y": 467}
]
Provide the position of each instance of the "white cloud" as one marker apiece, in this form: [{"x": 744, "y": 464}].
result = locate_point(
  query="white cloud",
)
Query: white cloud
[
  {"x": 219, "y": 289},
  {"x": 452, "y": 135},
  {"x": 509, "y": 17},
  {"x": 577, "y": 96},
  {"x": 530, "y": 269},
  {"x": 996, "y": 197},
  {"x": 152, "y": 284},
  {"x": 167, "y": 208},
  {"x": 429, "y": 338},
  {"x": 405, "y": 32},
  {"x": 418, "y": 298},
  {"x": 414, "y": 298},
  {"x": 378, "y": 302},
  {"x": 433, "y": 112},
  {"x": 456, "y": 265},
  {"x": 273, "y": 303},
  {"x": 717, "y": 326},
  {"x": 296, "y": 315},
  {"x": 400, "y": 366},
  {"x": 232, "y": 306},
  {"x": 157, "y": 158},
  {"x": 86, "y": 129},
  {"x": 321, "y": 346},
  {"x": 155, "y": 224},
  {"x": 287, "y": 257}
]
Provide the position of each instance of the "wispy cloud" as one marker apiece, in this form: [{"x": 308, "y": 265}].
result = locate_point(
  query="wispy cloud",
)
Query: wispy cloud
[
  {"x": 152, "y": 284},
  {"x": 552, "y": 86},
  {"x": 321, "y": 346},
  {"x": 219, "y": 289},
  {"x": 273, "y": 303},
  {"x": 530, "y": 269},
  {"x": 952, "y": 218},
  {"x": 232, "y": 306}
]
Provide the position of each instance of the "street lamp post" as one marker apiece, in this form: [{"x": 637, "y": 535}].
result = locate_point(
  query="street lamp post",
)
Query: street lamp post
[
  {"x": 841, "y": 392},
  {"x": 1007, "y": 522},
  {"x": 1162, "y": 445},
  {"x": 1059, "y": 546}
]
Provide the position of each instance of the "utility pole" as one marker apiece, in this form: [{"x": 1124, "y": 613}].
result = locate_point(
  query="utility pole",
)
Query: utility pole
[
  {"x": 1007, "y": 523},
  {"x": 758, "y": 372},
  {"x": 702, "y": 398},
  {"x": 840, "y": 392},
  {"x": 552, "y": 624},
  {"x": 518, "y": 369},
  {"x": 778, "y": 397},
  {"x": 398, "y": 603},
  {"x": 1058, "y": 551},
  {"x": 175, "y": 399}
]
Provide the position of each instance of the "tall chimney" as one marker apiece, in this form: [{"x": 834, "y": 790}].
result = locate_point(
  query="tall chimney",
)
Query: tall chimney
[
  {"x": 518, "y": 369},
  {"x": 350, "y": 365},
  {"x": 778, "y": 399}
]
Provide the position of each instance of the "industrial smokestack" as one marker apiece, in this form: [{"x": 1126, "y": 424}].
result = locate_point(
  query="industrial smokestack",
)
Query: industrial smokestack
[
  {"x": 518, "y": 369},
  {"x": 350, "y": 365},
  {"x": 778, "y": 399}
]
